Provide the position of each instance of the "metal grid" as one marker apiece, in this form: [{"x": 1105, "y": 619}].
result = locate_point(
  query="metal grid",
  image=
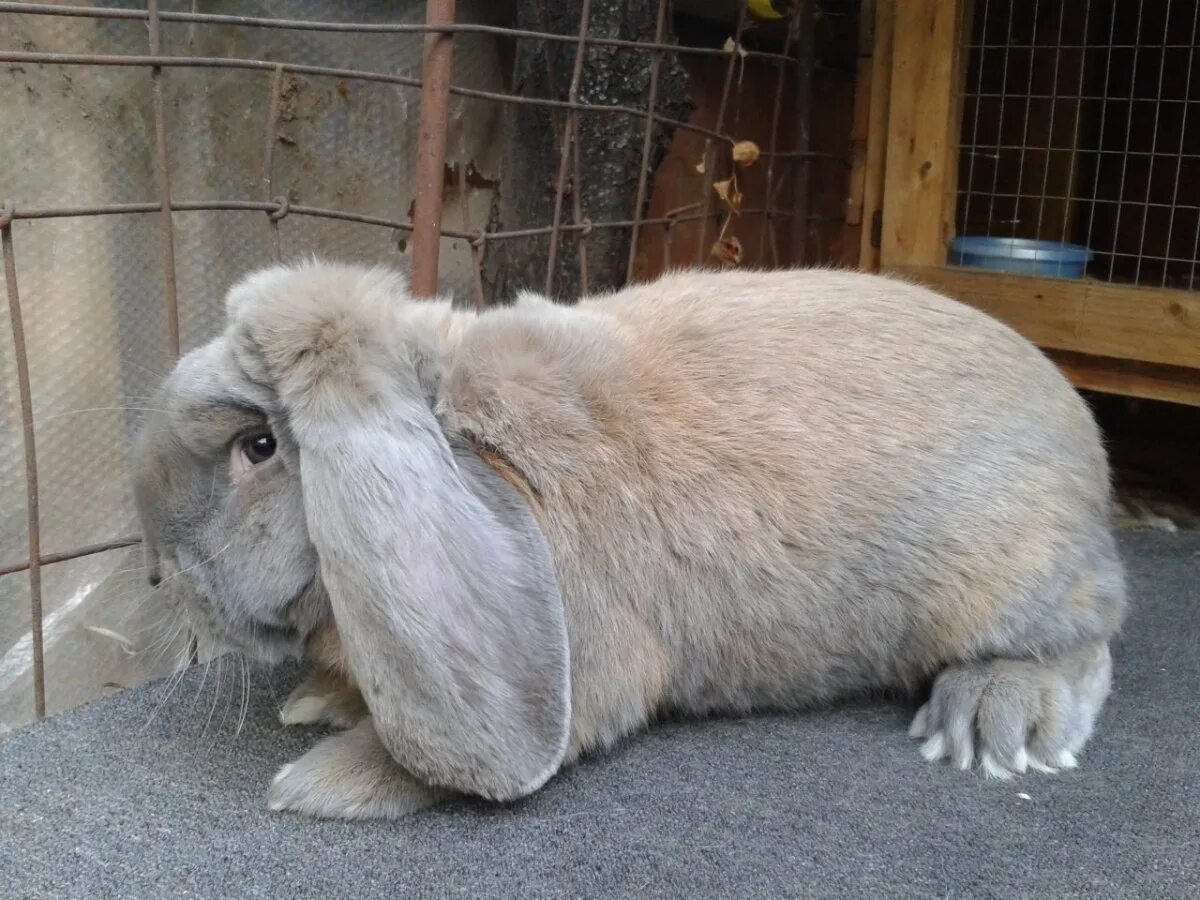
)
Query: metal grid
[
  {"x": 425, "y": 223},
  {"x": 1081, "y": 124}
]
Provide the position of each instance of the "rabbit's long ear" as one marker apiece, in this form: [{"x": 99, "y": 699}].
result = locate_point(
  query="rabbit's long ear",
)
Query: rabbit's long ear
[{"x": 442, "y": 589}]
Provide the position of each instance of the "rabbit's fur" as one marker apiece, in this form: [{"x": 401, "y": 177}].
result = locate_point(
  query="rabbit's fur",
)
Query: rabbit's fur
[{"x": 527, "y": 532}]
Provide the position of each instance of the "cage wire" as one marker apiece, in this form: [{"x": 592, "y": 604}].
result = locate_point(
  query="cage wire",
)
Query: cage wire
[
  {"x": 1081, "y": 124},
  {"x": 152, "y": 155}
]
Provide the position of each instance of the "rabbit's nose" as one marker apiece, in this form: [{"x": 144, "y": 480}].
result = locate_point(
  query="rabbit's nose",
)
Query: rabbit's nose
[
  {"x": 153, "y": 567},
  {"x": 154, "y": 563},
  {"x": 164, "y": 567}
]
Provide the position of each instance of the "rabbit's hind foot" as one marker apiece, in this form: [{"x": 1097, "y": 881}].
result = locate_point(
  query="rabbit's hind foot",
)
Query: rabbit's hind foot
[{"x": 1011, "y": 715}]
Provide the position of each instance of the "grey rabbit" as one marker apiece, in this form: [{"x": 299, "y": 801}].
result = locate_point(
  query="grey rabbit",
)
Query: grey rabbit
[{"x": 510, "y": 538}]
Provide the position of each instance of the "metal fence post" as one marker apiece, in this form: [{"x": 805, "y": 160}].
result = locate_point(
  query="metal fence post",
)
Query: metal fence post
[{"x": 436, "y": 70}]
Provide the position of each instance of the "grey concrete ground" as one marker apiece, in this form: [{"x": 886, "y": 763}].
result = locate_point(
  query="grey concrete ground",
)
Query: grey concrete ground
[{"x": 98, "y": 803}]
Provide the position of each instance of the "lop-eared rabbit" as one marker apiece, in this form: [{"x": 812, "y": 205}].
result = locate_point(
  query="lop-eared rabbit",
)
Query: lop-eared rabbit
[{"x": 508, "y": 539}]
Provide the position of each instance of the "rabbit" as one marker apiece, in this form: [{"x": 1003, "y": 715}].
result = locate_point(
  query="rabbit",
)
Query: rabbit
[{"x": 511, "y": 538}]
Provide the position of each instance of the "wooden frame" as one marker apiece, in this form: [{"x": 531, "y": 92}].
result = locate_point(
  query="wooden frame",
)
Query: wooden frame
[
  {"x": 921, "y": 169},
  {"x": 1119, "y": 321},
  {"x": 1137, "y": 341},
  {"x": 871, "y": 104}
]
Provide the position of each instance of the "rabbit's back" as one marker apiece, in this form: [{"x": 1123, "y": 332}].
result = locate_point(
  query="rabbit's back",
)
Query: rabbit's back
[{"x": 767, "y": 489}]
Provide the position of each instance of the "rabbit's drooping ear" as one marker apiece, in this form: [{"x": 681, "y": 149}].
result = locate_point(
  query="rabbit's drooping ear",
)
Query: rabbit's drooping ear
[
  {"x": 440, "y": 581},
  {"x": 444, "y": 595}
]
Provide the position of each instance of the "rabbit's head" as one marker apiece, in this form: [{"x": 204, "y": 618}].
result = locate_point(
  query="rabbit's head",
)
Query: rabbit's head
[
  {"x": 217, "y": 484},
  {"x": 296, "y": 475}
]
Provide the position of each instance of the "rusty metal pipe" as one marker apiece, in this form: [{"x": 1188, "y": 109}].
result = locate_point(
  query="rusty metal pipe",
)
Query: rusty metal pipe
[
  {"x": 707, "y": 159},
  {"x": 214, "y": 62},
  {"x": 93, "y": 12},
  {"x": 162, "y": 175},
  {"x": 33, "y": 518},
  {"x": 437, "y": 67},
  {"x": 660, "y": 30},
  {"x": 565, "y": 149}
]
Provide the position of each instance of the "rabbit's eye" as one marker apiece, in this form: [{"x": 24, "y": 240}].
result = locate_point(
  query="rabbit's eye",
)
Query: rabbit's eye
[{"x": 258, "y": 448}]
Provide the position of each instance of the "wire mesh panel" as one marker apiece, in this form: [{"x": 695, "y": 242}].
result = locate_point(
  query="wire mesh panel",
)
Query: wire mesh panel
[
  {"x": 153, "y": 154},
  {"x": 1081, "y": 126},
  {"x": 104, "y": 290}
]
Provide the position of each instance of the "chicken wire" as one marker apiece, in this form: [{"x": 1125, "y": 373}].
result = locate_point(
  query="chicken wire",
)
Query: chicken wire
[
  {"x": 91, "y": 287},
  {"x": 308, "y": 127},
  {"x": 1081, "y": 124}
]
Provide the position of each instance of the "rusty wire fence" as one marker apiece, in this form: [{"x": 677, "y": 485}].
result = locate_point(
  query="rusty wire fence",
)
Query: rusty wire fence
[{"x": 448, "y": 234}]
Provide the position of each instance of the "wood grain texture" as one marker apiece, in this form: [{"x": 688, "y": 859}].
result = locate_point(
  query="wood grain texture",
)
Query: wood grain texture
[
  {"x": 1173, "y": 384},
  {"x": 876, "y": 138},
  {"x": 1153, "y": 325},
  {"x": 922, "y": 143}
]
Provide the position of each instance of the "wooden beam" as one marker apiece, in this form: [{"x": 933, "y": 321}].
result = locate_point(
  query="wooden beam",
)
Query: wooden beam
[
  {"x": 878, "y": 88},
  {"x": 1154, "y": 325},
  {"x": 1173, "y": 384},
  {"x": 923, "y": 119}
]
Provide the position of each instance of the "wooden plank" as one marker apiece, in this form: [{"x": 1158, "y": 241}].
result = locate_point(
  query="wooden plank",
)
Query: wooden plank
[
  {"x": 1173, "y": 384},
  {"x": 877, "y": 119},
  {"x": 954, "y": 122},
  {"x": 922, "y": 151},
  {"x": 1155, "y": 325}
]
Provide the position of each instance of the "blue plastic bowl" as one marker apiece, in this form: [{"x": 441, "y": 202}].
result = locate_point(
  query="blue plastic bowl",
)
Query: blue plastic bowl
[{"x": 1020, "y": 255}]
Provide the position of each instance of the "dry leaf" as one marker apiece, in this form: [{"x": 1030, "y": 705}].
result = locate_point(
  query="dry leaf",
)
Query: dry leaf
[
  {"x": 731, "y": 45},
  {"x": 728, "y": 191},
  {"x": 728, "y": 250},
  {"x": 745, "y": 153}
]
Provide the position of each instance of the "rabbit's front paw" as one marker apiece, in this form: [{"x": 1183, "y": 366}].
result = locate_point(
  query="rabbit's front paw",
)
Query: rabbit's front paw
[
  {"x": 349, "y": 776},
  {"x": 324, "y": 698}
]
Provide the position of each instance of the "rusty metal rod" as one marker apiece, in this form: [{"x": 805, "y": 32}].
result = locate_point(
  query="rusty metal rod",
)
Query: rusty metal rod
[
  {"x": 33, "y": 518},
  {"x": 91, "y": 12},
  {"x": 162, "y": 178},
  {"x": 464, "y": 202},
  {"x": 88, "y": 550},
  {"x": 437, "y": 68},
  {"x": 707, "y": 159},
  {"x": 579, "y": 218},
  {"x": 621, "y": 223},
  {"x": 281, "y": 208},
  {"x": 639, "y": 203},
  {"x": 219, "y": 62},
  {"x": 269, "y": 156},
  {"x": 565, "y": 150},
  {"x": 769, "y": 189}
]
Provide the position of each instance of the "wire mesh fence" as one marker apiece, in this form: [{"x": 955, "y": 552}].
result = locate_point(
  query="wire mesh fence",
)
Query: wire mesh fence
[
  {"x": 1081, "y": 125},
  {"x": 163, "y": 151}
]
